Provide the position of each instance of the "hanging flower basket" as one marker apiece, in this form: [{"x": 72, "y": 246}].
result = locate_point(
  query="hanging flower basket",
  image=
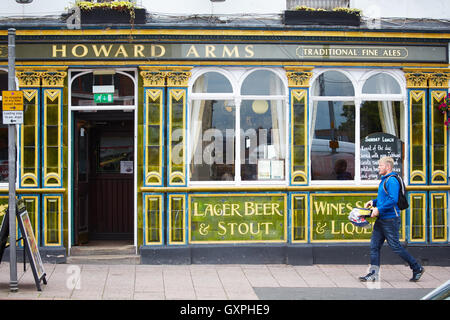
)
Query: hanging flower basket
[
  {"x": 111, "y": 16},
  {"x": 310, "y": 16},
  {"x": 444, "y": 108},
  {"x": 116, "y": 12}
]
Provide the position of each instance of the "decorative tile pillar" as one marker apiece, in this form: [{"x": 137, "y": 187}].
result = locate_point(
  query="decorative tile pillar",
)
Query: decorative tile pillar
[
  {"x": 152, "y": 126},
  {"x": 52, "y": 126},
  {"x": 298, "y": 79},
  {"x": 438, "y": 149},
  {"x": 177, "y": 82},
  {"x": 416, "y": 83},
  {"x": 28, "y": 132}
]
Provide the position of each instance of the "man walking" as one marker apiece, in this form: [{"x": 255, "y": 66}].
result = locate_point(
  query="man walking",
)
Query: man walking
[{"x": 387, "y": 225}]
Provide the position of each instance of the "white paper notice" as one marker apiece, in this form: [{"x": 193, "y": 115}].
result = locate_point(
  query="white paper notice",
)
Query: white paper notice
[{"x": 126, "y": 167}]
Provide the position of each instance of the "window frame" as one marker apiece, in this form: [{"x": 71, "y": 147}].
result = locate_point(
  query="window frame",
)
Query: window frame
[
  {"x": 358, "y": 78},
  {"x": 236, "y": 77},
  {"x": 76, "y": 73}
]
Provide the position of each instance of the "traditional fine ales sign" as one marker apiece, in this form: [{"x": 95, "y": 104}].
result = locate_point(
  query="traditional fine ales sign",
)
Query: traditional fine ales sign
[
  {"x": 329, "y": 217},
  {"x": 226, "y": 51},
  {"x": 237, "y": 218},
  {"x": 373, "y": 148}
]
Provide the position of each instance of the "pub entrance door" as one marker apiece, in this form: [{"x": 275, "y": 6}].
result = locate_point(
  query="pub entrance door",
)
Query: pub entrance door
[{"x": 103, "y": 200}]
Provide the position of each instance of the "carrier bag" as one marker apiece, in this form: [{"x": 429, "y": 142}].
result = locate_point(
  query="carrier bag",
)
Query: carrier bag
[{"x": 358, "y": 217}]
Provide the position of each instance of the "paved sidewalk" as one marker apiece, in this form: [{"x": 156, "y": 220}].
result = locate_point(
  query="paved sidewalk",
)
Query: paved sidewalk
[{"x": 224, "y": 282}]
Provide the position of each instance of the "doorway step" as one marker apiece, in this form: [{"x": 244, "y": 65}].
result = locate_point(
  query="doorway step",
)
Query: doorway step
[{"x": 104, "y": 252}]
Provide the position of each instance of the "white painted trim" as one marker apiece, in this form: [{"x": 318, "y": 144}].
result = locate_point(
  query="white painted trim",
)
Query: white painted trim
[
  {"x": 236, "y": 76},
  {"x": 358, "y": 77}
]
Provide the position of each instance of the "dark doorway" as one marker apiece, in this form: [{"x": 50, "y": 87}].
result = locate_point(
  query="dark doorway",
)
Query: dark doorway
[{"x": 103, "y": 176}]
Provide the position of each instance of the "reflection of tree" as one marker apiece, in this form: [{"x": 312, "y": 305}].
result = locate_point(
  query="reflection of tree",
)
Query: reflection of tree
[
  {"x": 348, "y": 112},
  {"x": 370, "y": 118}
]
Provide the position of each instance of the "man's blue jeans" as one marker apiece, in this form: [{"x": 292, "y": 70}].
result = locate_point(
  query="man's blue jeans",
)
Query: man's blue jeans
[{"x": 388, "y": 229}]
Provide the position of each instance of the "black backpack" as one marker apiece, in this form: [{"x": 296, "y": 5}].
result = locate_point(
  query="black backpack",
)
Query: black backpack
[{"x": 402, "y": 201}]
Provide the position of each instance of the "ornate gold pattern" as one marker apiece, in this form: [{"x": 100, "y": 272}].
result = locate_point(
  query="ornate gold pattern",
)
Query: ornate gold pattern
[
  {"x": 416, "y": 80},
  {"x": 427, "y": 78},
  {"x": 153, "y": 78},
  {"x": 28, "y": 78},
  {"x": 3, "y": 51},
  {"x": 178, "y": 78},
  {"x": 53, "y": 78},
  {"x": 298, "y": 77},
  {"x": 438, "y": 80}
]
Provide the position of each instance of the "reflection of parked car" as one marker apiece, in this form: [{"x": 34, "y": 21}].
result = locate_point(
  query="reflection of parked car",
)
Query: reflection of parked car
[
  {"x": 324, "y": 158},
  {"x": 3, "y": 170},
  {"x": 440, "y": 293}
]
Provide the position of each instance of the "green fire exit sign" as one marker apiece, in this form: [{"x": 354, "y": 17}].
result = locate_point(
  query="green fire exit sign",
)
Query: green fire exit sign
[{"x": 103, "y": 97}]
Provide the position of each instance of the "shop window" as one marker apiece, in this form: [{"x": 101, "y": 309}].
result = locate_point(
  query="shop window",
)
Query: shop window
[
  {"x": 212, "y": 82},
  {"x": 102, "y": 89},
  {"x": 3, "y": 134},
  {"x": 333, "y": 128},
  {"x": 333, "y": 84},
  {"x": 382, "y": 117},
  {"x": 256, "y": 114},
  {"x": 381, "y": 83},
  {"x": 347, "y": 125}
]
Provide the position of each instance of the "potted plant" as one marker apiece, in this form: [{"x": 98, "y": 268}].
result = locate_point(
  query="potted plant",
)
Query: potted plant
[
  {"x": 302, "y": 15},
  {"x": 117, "y": 12}
]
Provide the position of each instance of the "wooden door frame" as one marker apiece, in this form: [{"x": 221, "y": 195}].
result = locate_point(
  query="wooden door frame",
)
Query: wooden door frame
[{"x": 71, "y": 123}]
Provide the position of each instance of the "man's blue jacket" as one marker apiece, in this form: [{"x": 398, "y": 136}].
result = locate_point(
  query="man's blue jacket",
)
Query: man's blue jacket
[{"x": 387, "y": 202}]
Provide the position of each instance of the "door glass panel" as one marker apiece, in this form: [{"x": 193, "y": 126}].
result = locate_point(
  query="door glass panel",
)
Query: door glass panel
[{"x": 112, "y": 151}]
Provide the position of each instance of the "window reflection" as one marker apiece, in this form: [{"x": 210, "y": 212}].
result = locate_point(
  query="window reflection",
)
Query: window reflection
[
  {"x": 380, "y": 116},
  {"x": 333, "y": 83},
  {"x": 381, "y": 83},
  {"x": 260, "y": 128},
  {"x": 262, "y": 140},
  {"x": 333, "y": 144},
  {"x": 262, "y": 82},
  {"x": 212, "y": 140},
  {"x": 212, "y": 82},
  {"x": 112, "y": 151}
]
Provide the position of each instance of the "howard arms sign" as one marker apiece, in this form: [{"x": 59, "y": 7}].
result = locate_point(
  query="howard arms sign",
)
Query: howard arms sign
[{"x": 221, "y": 51}]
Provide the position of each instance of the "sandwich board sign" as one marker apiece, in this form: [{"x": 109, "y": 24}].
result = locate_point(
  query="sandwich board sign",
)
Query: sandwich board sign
[
  {"x": 12, "y": 107},
  {"x": 29, "y": 240}
]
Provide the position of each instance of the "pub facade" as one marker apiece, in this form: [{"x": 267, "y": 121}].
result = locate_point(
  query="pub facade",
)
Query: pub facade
[{"x": 236, "y": 144}]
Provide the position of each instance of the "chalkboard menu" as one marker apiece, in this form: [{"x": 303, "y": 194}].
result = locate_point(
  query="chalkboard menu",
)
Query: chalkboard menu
[{"x": 376, "y": 146}]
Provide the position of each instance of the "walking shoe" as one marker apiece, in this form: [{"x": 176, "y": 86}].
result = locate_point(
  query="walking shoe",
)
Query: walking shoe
[
  {"x": 372, "y": 276},
  {"x": 417, "y": 274}
]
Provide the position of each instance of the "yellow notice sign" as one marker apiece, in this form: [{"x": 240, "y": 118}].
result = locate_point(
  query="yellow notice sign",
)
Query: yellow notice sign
[{"x": 12, "y": 100}]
